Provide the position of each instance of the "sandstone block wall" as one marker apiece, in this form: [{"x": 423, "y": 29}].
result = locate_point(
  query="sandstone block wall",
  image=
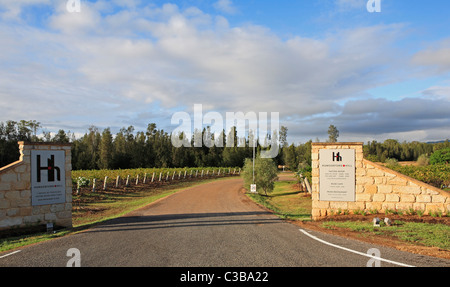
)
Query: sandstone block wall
[
  {"x": 16, "y": 208},
  {"x": 377, "y": 188}
]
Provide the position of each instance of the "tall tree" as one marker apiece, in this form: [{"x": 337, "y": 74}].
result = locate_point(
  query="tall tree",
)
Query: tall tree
[
  {"x": 333, "y": 134},
  {"x": 283, "y": 137},
  {"x": 266, "y": 173},
  {"x": 106, "y": 150}
]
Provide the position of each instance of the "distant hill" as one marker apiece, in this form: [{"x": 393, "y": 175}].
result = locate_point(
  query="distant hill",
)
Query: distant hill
[{"x": 442, "y": 141}]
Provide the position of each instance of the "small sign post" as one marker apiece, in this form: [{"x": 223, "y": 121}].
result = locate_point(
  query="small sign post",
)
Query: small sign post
[{"x": 253, "y": 188}]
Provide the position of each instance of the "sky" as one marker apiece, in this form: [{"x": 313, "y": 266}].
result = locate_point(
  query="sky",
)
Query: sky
[{"x": 375, "y": 76}]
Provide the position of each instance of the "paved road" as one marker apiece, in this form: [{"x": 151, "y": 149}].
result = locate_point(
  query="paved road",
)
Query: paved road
[{"x": 211, "y": 225}]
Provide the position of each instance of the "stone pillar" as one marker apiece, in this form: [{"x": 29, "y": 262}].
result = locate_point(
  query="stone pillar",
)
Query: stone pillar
[
  {"x": 320, "y": 208},
  {"x": 27, "y": 200}
]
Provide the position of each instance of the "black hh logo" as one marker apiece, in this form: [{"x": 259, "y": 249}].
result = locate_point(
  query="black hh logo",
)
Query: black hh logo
[
  {"x": 51, "y": 168},
  {"x": 337, "y": 157}
]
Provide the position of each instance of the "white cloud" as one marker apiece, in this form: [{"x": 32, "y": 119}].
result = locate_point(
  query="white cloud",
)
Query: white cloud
[
  {"x": 116, "y": 67},
  {"x": 13, "y": 8},
  {"x": 437, "y": 56},
  {"x": 225, "y": 6}
]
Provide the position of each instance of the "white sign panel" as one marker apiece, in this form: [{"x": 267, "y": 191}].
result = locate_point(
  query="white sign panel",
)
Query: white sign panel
[
  {"x": 253, "y": 188},
  {"x": 337, "y": 175},
  {"x": 48, "y": 177}
]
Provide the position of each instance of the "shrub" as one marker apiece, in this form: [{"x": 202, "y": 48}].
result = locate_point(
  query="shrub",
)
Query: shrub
[
  {"x": 423, "y": 160},
  {"x": 441, "y": 156},
  {"x": 266, "y": 173},
  {"x": 391, "y": 162}
]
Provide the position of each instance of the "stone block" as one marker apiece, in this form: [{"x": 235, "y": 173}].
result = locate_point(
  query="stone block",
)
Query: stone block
[
  {"x": 423, "y": 198},
  {"x": 21, "y": 185},
  {"x": 321, "y": 204},
  {"x": 21, "y": 202},
  {"x": 26, "y": 211},
  {"x": 362, "y": 197},
  {"x": 371, "y": 189},
  {"x": 25, "y": 194},
  {"x": 360, "y": 172},
  {"x": 384, "y": 189},
  {"x": 374, "y": 205},
  {"x": 392, "y": 198},
  {"x": 20, "y": 168},
  {"x": 338, "y": 204},
  {"x": 438, "y": 198},
  {"x": 315, "y": 213},
  {"x": 433, "y": 207},
  {"x": 4, "y": 204},
  {"x": 388, "y": 205},
  {"x": 5, "y": 186},
  {"x": 379, "y": 197},
  {"x": 375, "y": 172},
  {"x": 407, "y": 198},
  {"x": 356, "y": 205},
  {"x": 359, "y": 189},
  {"x": 419, "y": 206},
  {"x": 404, "y": 206},
  {"x": 407, "y": 189},
  {"x": 397, "y": 181},
  {"x": 12, "y": 195},
  {"x": 56, "y": 207},
  {"x": 364, "y": 180},
  {"x": 50, "y": 217},
  {"x": 379, "y": 180},
  {"x": 33, "y": 218},
  {"x": 8, "y": 177},
  {"x": 12, "y": 212}
]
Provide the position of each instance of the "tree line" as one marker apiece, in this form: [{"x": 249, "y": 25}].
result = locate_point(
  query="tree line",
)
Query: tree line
[
  {"x": 152, "y": 148},
  {"x": 127, "y": 149}
]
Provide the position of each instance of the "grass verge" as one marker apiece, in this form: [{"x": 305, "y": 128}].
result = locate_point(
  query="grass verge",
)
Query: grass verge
[
  {"x": 425, "y": 234},
  {"x": 286, "y": 201}
]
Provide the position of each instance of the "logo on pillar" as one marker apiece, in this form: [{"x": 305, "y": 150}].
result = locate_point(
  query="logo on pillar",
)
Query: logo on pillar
[
  {"x": 337, "y": 156},
  {"x": 50, "y": 168}
]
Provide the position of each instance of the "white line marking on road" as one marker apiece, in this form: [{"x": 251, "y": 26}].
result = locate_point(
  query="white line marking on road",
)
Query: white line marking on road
[
  {"x": 354, "y": 251},
  {"x": 10, "y": 254}
]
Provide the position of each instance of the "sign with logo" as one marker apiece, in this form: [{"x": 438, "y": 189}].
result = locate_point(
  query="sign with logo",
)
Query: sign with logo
[
  {"x": 253, "y": 188},
  {"x": 337, "y": 175},
  {"x": 48, "y": 177}
]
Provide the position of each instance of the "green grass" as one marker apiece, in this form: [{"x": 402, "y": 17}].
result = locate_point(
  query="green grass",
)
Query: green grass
[
  {"x": 286, "y": 201},
  {"x": 433, "y": 235}
]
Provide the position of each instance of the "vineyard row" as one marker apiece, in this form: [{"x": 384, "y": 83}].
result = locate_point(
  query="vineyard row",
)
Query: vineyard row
[{"x": 102, "y": 180}]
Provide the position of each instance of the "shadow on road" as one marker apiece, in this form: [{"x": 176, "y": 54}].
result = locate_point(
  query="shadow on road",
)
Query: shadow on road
[{"x": 129, "y": 223}]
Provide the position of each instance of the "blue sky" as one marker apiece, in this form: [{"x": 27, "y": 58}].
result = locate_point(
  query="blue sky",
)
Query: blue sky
[{"x": 120, "y": 63}]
